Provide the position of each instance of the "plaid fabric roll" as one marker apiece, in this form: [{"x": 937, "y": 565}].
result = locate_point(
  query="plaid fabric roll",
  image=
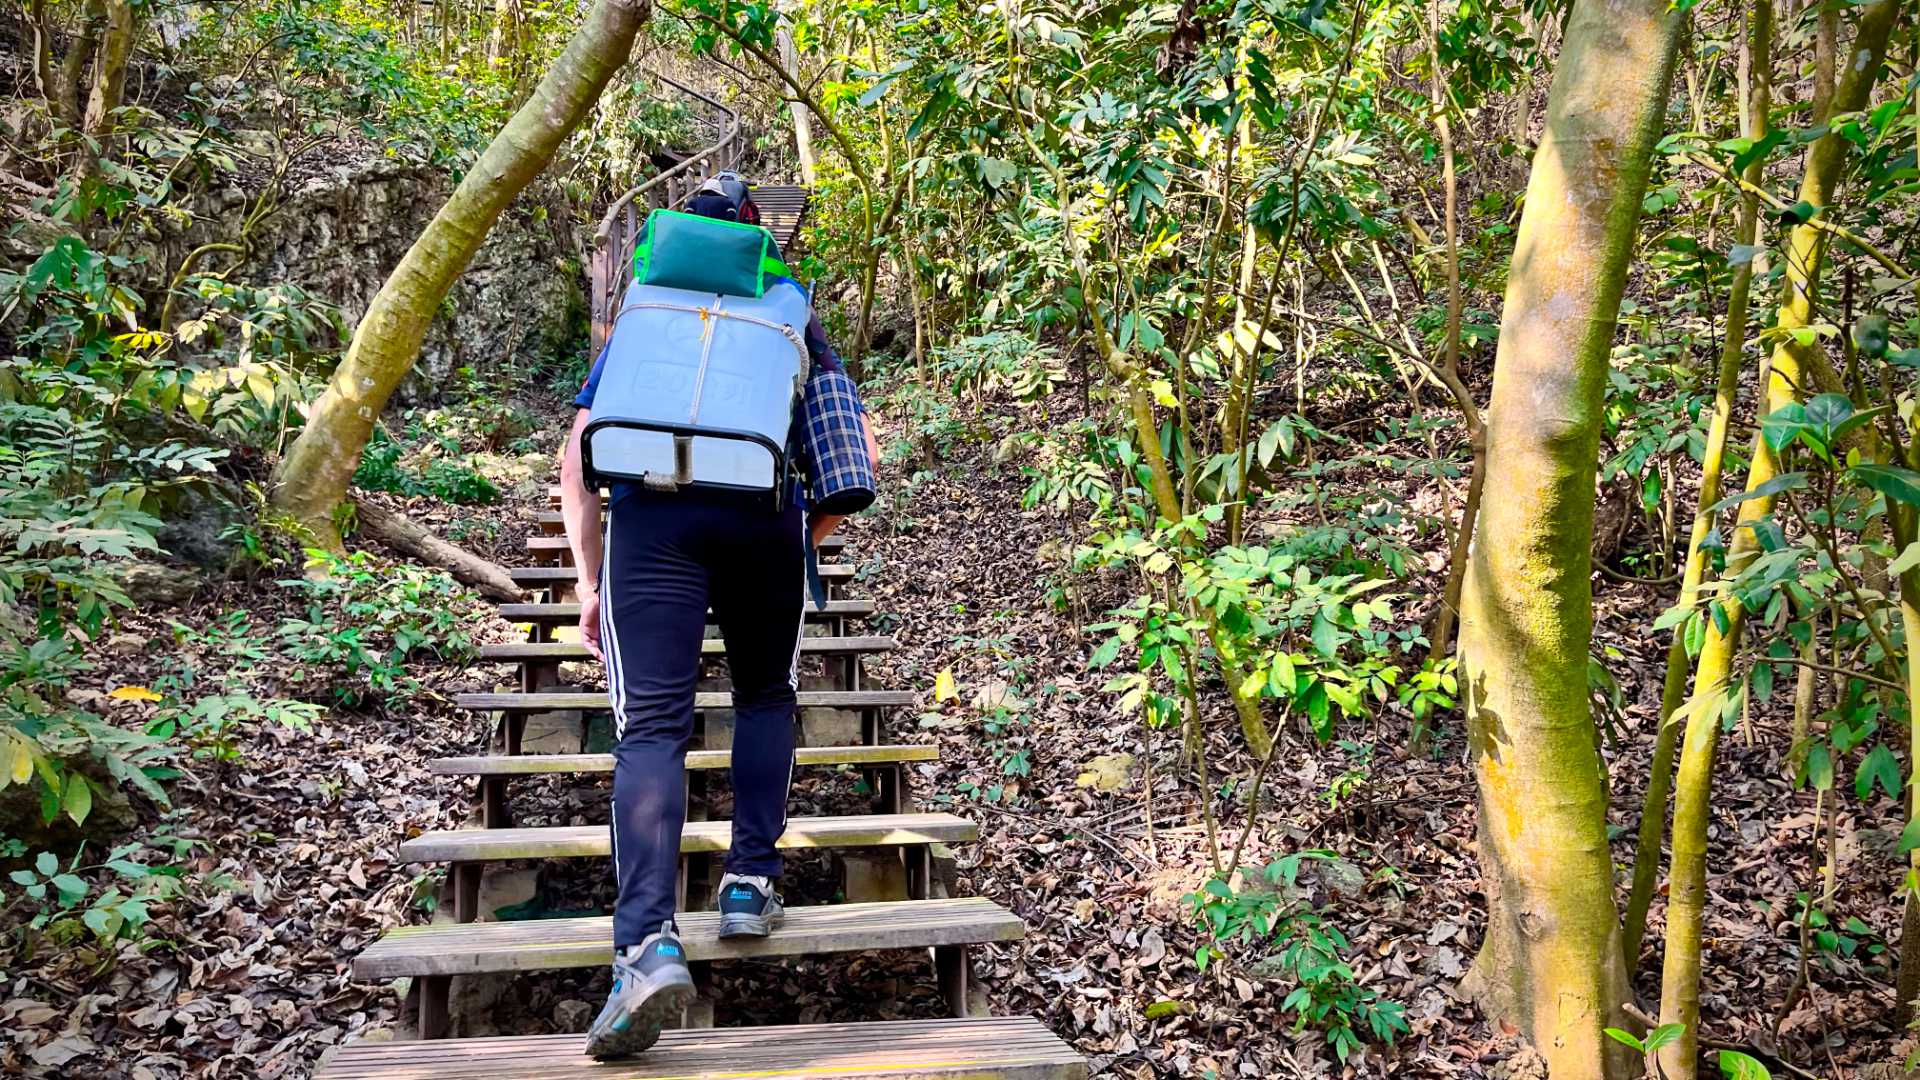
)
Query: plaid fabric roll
[{"x": 839, "y": 472}]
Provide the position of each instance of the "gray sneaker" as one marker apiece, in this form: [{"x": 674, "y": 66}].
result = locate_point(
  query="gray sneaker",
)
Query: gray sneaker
[
  {"x": 651, "y": 984},
  {"x": 748, "y": 907}
]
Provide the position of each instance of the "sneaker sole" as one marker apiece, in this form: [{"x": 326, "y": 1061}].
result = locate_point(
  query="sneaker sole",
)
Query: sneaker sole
[
  {"x": 741, "y": 924},
  {"x": 635, "y": 1030}
]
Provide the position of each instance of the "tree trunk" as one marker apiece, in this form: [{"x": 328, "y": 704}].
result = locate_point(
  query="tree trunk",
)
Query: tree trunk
[
  {"x": 1438, "y": 94},
  {"x": 1653, "y": 815},
  {"x": 1908, "y": 976},
  {"x": 110, "y": 71},
  {"x": 313, "y": 478},
  {"x": 1551, "y": 962},
  {"x": 403, "y": 535},
  {"x": 1793, "y": 367},
  {"x": 1908, "y": 981},
  {"x": 802, "y": 119},
  {"x": 1445, "y": 618}
]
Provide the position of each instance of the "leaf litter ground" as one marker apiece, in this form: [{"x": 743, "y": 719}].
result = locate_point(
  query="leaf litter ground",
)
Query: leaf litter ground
[{"x": 246, "y": 975}]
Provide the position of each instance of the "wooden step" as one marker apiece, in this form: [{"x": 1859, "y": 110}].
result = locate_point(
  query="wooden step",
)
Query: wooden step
[
  {"x": 534, "y": 764},
  {"x": 596, "y": 700},
  {"x": 551, "y": 524},
  {"x": 543, "y": 544},
  {"x": 582, "y": 841},
  {"x": 562, "y": 651},
  {"x": 545, "y": 944},
  {"x": 536, "y": 576},
  {"x": 1002, "y": 1048},
  {"x": 567, "y": 614}
]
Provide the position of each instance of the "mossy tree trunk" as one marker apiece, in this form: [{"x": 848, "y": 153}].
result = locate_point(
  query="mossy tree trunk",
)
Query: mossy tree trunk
[
  {"x": 1551, "y": 962},
  {"x": 1794, "y": 366},
  {"x": 313, "y": 477}
]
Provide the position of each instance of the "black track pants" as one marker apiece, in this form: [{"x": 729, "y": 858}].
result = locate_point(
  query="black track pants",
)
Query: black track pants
[{"x": 668, "y": 558}]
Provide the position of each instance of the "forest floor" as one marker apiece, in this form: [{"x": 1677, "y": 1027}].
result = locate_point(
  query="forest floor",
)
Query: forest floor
[{"x": 250, "y": 978}]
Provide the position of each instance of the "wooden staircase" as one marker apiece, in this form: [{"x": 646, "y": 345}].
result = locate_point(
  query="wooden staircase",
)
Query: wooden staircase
[
  {"x": 920, "y": 918},
  {"x": 781, "y": 211}
]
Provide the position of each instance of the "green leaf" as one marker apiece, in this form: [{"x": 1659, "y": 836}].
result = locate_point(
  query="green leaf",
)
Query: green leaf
[
  {"x": 1878, "y": 767},
  {"x": 46, "y": 863},
  {"x": 1620, "y": 1035},
  {"x": 56, "y": 265},
  {"x": 1278, "y": 438},
  {"x": 1663, "y": 1035},
  {"x": 1108, "y": 650},
  {"x": 1908, "y": 559},
  {"x": 1781, "y": 426},
  {"x": 1742, "y": 254},
  {"x": 1899, "y": 484},
  {"x": 1756, "y": 150},
  {"x": 1799, "y": 213},
  {"x": 1828, "y": 411},
  {"x": 99, "y": 921},
  {"x": 1870, "y": 335},
  {"x": 78, "y": 801},
  {"x": 1910, "y": 836},
  {"x": 1326, "y": 637},
  {"x": 1735, "y": 1065},
  {"x": 1282, "y": 678},
  {"x": 1679, "y": 613},
  {"x": 1792, "y": 481},
  {"x": 71, "y": 888},
  {"x": 1819, "y": 767}
]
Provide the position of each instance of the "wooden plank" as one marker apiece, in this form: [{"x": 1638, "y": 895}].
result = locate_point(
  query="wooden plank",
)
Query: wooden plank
[
  {"x": 534, "y": 764},
  {"x": 719, "y": 699},
  {"x": 570, "y": 613},
  {"x": 584, "y": 841},
  {"x": 1004, "y": 1048},
  {"x": 831, "y": 544},
  {"x": 521, "y": 651},
  {"x": 547, "y": 944},
  {"x": 550, "y": 575}
]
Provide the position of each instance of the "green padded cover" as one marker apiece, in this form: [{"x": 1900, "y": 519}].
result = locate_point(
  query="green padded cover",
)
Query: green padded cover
[{"x": 687, "y": 251}]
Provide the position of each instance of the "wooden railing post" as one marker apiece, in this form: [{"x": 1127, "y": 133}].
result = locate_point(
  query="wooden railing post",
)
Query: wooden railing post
[{"x": 597, "y": 300}]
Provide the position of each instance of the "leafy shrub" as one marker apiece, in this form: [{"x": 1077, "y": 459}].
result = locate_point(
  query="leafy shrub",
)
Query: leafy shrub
[
  {"x": 89, "y": 459},
  {"x": 1316, "y": 642},
  {"x": 1301, "y": 946},
  {"x": 364, "y": 621},
  {"x": 46, "y": 741},
  {"x": 68, "y": 907},
  {"x": 457, "y": 483},
  {"x": 1006, "y": 362},
  {"x": 381, "y": 470}
]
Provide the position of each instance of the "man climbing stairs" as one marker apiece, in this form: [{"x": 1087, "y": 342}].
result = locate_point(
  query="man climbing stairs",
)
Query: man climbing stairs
[{"x": 841, "y": 727}]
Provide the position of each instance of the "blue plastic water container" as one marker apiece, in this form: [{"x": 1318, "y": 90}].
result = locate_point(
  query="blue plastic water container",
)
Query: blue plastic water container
[{"x": 698, "y": 389}]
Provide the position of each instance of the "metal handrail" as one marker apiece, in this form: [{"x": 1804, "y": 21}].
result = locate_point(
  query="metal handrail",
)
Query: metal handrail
[{"x": 613, "y": 241}]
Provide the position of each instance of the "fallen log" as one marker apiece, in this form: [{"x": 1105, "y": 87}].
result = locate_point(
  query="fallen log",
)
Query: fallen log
[{"x": 403, "y": 535}]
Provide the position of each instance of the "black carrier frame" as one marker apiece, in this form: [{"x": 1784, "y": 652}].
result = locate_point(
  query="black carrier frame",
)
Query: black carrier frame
[{"x": 683, "y": 436}]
